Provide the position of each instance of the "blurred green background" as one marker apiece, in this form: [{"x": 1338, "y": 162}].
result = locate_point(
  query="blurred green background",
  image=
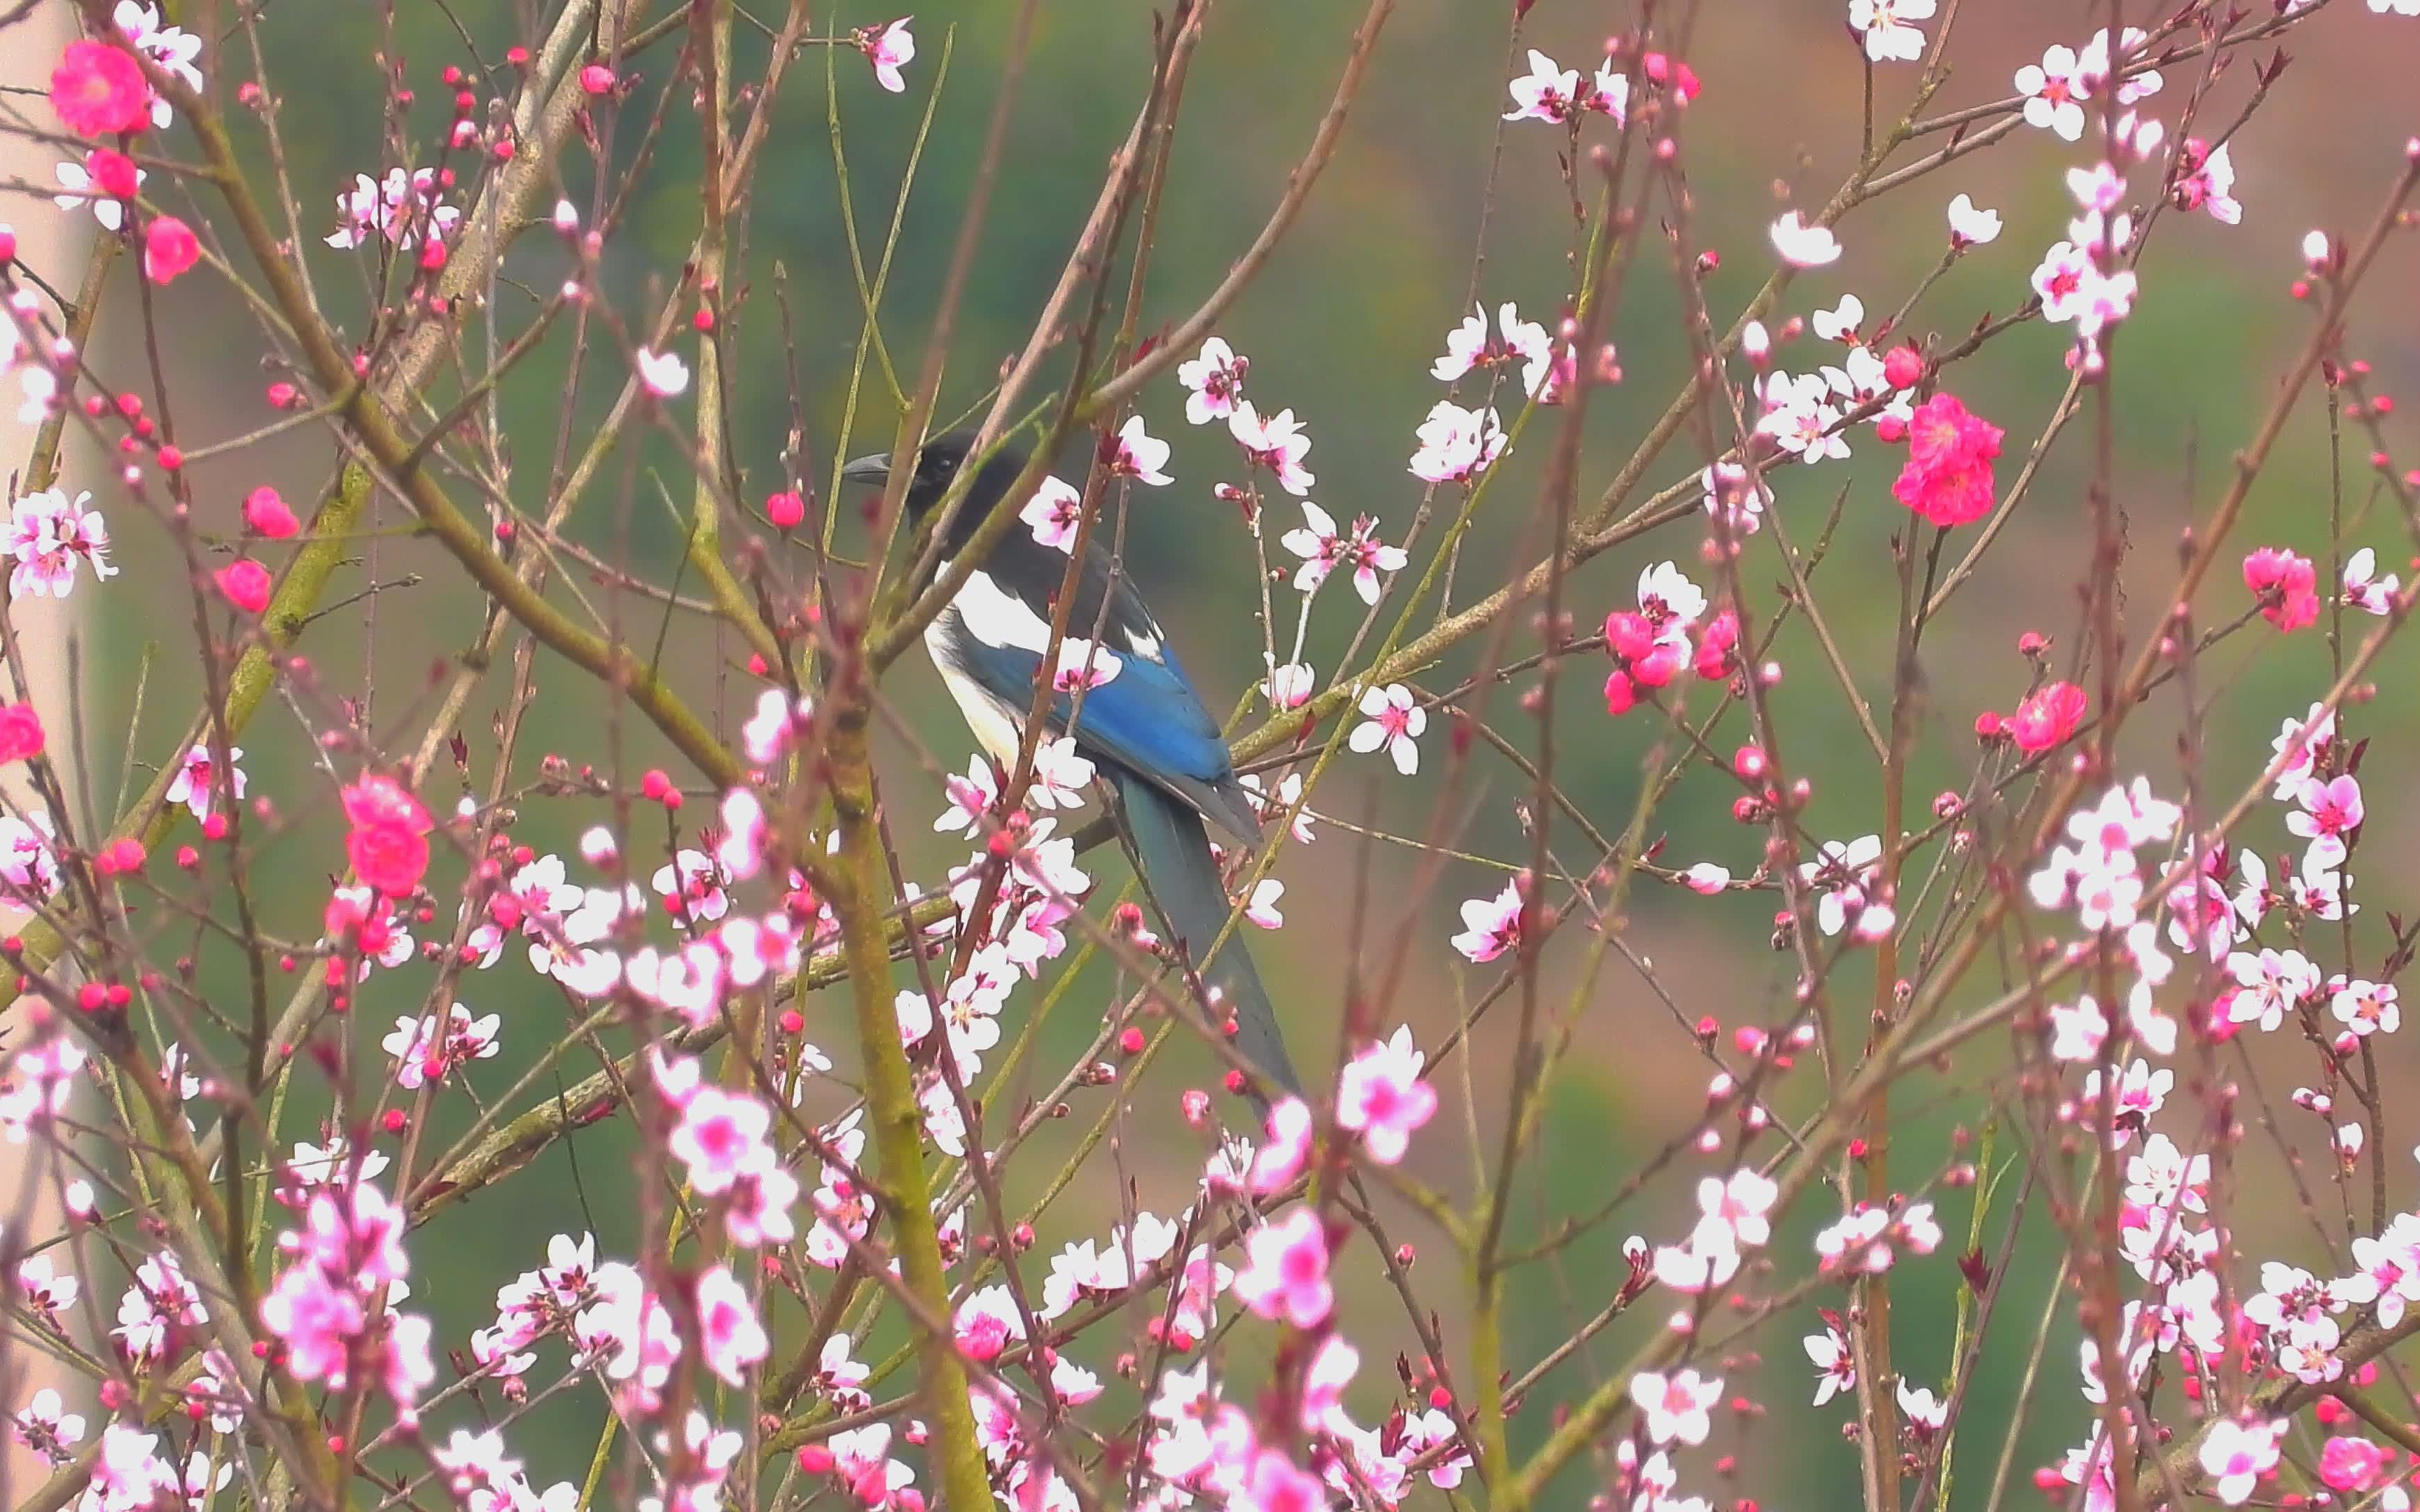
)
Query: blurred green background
[{"x": 1341, "y": 328}]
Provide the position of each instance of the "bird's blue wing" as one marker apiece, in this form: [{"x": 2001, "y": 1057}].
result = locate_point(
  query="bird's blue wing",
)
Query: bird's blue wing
[{"x": 1147, "y": 717}]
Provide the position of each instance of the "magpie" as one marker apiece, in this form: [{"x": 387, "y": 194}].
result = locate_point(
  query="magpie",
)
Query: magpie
[{"x": 1145, "y": 729}]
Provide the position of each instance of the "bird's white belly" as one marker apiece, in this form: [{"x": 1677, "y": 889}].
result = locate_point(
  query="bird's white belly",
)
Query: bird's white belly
[{"x": 995, "y": 725}]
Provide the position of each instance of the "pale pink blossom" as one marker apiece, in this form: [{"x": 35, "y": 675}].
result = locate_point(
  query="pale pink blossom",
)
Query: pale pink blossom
[
  {"x": 889, "y": 47},
  {"x": 662, "y": 373},
  {"x": 1290, "y": 686},
  {"x": 1679, "y": 1407},
  {"x": 2236, "y": 1454},
  {"x": 1285, "y": 1269},
  {"x": 1490, "y": 926},
  {"x": 1213, "y": 382},
  {"x": 1140, "y": 456},
  {"x": 1548, "y": 92},
  {"x": 2054, "y": 90},
  {"x": 2364, "y": 589},
  {"x": 1275, "y": 442},
  {"x": 1835, "y": 1364},
  {"x": 1970, "y": 227},
  {"x": 1889, "y": 27},
  {"x": 1053, "y": 513},
  {"x": 1801, "y": 245},
  {"x": 1456, "y": 444},
  {"x": 1392, "y": 719},
  {"x": 1380, "y": 1096}
]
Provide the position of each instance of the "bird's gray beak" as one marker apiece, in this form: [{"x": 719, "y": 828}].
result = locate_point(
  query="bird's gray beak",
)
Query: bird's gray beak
[{"x": 875, "y": 469}]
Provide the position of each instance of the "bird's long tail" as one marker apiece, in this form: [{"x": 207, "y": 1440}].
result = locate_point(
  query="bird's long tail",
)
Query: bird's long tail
[{"x": 1172, "y": 852}]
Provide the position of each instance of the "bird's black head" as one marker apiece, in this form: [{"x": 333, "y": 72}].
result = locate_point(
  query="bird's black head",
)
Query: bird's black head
[{"x": 937, "y": 468}]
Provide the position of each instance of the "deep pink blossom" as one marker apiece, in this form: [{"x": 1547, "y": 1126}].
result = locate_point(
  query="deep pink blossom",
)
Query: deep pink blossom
[
  {"x": 1947, "y": 478},
  {"x": 2285, "y": 585},
  {"x": 21, "y": 733},
  {"x": 245, "y": 583},
  {"x": 99, "y": 89},
  {"x": 169, "y": 248},
  {"x": 2045, "y": 720}
]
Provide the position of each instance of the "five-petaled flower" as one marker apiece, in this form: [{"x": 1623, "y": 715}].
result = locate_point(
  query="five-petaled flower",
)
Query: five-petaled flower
[
  {"x": 1285, "y": 1271},
  {"x": 1889, "y": 27},
  {"x": 1392, "y": 719},
  {"x": 1053, "y": 513},
  {"x": 1679, "y": 1407},
  {"x": 1213, "y": 382},
  {"x": 1380, "y": 1096}
]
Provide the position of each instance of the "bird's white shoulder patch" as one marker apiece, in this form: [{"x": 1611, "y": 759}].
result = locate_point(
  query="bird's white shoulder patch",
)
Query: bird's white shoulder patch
[{"x": 999, "y": 618}]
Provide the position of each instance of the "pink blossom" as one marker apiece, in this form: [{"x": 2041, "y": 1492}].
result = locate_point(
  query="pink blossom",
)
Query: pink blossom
[
  {"x": 1053, "y": 513},
  {"x": 2351, "y": 1464},
  {"x": 1490, "y": 926},
  {"x": 1947, "y": 478},
  {"x": 1281, "y": 1160},
  {"x": 2285, "y": 586},
  {"x": 399, "y": 210},
  {"x": 1084, "y": 664},
  {"x": 1275, "y": 442},
  {"x": 245, "y": 583},
  {"x": 1741, "y": 1204},
  {"x": 1469, "y": 345},
  {"x": 1380, "y": 1096},
  {"x": 98, "y": 90},
  {"x": 2206, "y": 181},
  {"x": 317, "y": 1320},
  {"x": 2364, "y": 589},
  {"x": 889, "y": 47},
  {"x": 1801, "y": 245},
  {"x": 1678, "y": 1406},
  {"x": 731, "y": 1337},
  {"x": 1263, "y": 909},
  {"x": 1213, "y": 382},
  {"x": 169, "y": 249},
  {"x": 1889, "y": 27},
  {"x": 1456, "y": 444},
  {"x": 2326, "y": 811},
  {"x": 1289, "y": 687},
  {"x": 196, "y": 784},
  {"x": 1970, "y": 227},
  {"x": 2047, "y": 718},
  {"x": 1393, "y": 720},
  {"x": 662, "y": 373},
  {"x": 2054, "y": 90},
  {"x": 2236, "y": 1454},
  {"x": 2364, "y": 1007},
  {"x": 1547, "y": 93},
  {"x": 1835, "y": 1362},
  {"x": 1285, "y": 1269},
  {"x": 1137, "y": 455},
  {"x": 720, "y": 1136},
  {"x": 424, "y": 1054},
  {"x": 105, "y": 182}
]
